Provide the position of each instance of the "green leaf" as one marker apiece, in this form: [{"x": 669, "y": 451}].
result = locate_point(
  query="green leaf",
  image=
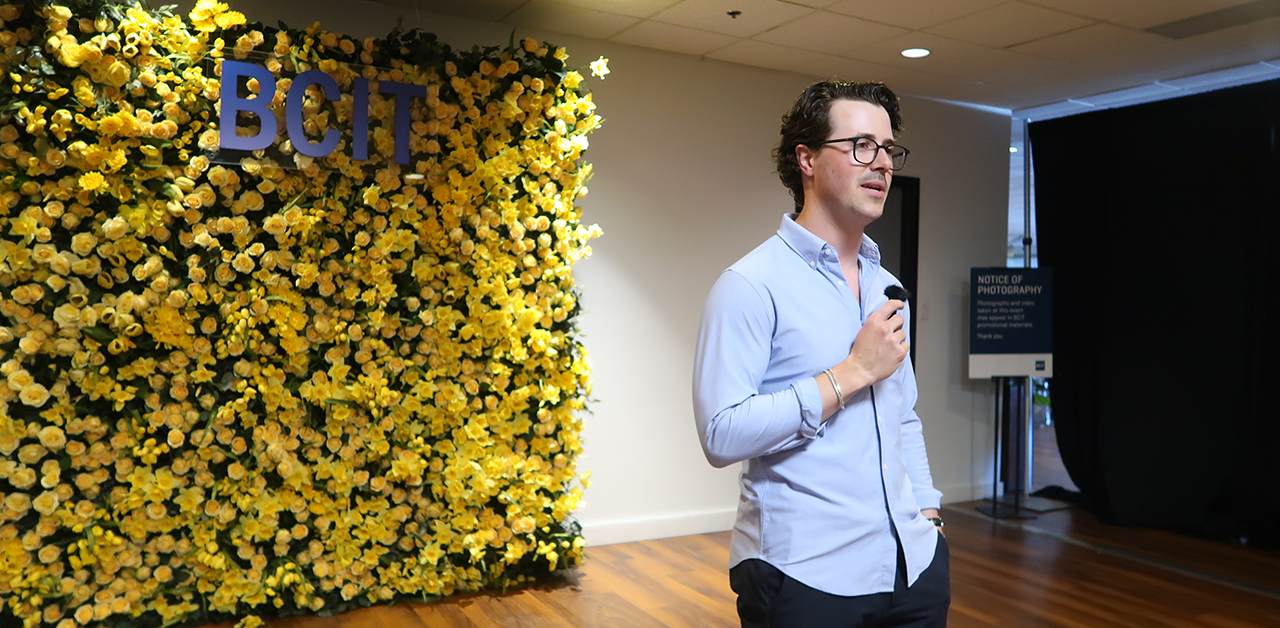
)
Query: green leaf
[{"x": 101, "y": 334}]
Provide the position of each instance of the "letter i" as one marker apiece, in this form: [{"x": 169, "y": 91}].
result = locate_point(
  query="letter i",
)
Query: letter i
[{"x": 360, "y": 121}]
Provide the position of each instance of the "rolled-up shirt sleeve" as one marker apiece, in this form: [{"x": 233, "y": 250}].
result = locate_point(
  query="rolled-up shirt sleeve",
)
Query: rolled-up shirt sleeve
[{"x": 735, "y": 420}]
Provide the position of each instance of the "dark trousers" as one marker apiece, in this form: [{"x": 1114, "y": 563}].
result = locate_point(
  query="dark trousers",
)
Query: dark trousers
[{"x": 768, "y": 598}]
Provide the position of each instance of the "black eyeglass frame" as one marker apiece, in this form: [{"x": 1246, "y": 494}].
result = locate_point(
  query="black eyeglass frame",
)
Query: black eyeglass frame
[{"x": 888, "y": 150}]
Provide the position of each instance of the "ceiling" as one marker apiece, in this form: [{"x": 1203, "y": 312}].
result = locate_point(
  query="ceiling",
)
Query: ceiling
[{"x": 1014, "y": 55}]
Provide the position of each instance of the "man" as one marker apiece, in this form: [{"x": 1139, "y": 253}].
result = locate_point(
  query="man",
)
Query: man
[{"x": 802, "y": 371}]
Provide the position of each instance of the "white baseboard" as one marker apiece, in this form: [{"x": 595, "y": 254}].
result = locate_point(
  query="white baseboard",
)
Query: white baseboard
[
  {"x": 631, "y": 530},
  {"x": 608, "y": 532},
  {"x": 965, "y": 492}
]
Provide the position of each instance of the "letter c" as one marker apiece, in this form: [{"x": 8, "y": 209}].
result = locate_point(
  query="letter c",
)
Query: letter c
[{"x": 293, "y": 113}]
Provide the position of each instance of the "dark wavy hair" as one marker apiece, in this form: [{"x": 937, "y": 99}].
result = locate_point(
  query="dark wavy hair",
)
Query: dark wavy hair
[{"x": 809, "y": 121}]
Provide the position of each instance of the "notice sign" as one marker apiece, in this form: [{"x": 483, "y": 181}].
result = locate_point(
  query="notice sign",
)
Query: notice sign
[{"x": 1010, "y": 322}]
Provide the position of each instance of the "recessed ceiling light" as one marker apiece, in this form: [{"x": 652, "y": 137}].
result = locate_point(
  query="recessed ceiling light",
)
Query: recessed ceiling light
[{"x": 915, "y": 53}]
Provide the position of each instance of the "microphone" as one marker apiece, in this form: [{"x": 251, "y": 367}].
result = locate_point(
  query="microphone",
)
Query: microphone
[{"x": 897, "y": 293}]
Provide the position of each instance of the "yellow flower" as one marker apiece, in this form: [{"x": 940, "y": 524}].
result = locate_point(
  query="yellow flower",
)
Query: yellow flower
[
  {"x": 119, "y": 73},
  {"x": 19, "y": 378},
  {"x": 49, "y": 553},
  {"x": 92, "y": 181},
  {"x": 53, "y": 437},
  {"x": 46, "y": 503},
  {"x": 227, "y": 19},
  {"x": 600, "y": 67},
  {"x": 34, "y": 395},
  {"x": 167, "y": 326},
  {"x": 115, "y": 228}
]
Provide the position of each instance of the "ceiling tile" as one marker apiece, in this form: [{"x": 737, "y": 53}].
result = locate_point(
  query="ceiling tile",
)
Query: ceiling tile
[
  {"x": 712, "y": 15},
  {"x": 1172, "y": 12},
  {"x": 829, "y": 33},
  {"x": 1095, "y": 42},
  {"x": 765, "y": 55},
  {"x": 1230, "y": 76},
  {"x": 1008, "y": 24},
  {"x": 831, "y": 66},
  {"x": 950, "y": 57},
  {"x": 913, "y": 14},
  {"x": 492, "y": 10},
  {"x": 817, "y": 4},
  {"x": 1071, "y": 82},
  {"x": 560, "y": 17},
  {"x": 1222, "y": 49},
  {"x": 650, "y": 34},
  {"x": 1101, "y": 9},
  {"x": 633, "y": 8}
]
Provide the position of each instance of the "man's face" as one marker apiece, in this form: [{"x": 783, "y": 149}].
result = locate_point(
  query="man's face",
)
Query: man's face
[{"x": 850, "y": 190}]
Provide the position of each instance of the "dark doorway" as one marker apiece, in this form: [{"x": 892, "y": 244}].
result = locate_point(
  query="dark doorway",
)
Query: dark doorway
[{"x": 898, "y": 234}]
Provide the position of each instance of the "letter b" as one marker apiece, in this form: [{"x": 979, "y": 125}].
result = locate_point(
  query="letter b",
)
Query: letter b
[{"x": 233, "y": 104}]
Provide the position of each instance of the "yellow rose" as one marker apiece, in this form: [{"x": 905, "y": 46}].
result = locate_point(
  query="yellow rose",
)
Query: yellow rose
[
  {"x": 118, "y": 73},
  {"x": 209, "y": 140},
  {"x": 27, "y": 294},
  {"x": 34, "y": 395},
  {"x": 83, "y": 243},
  {"x": 23, "y": 478},
  {"x": 115, "y": 228},
  {"x": 243, "y": 263},
  {"x": 18, "y": 502},
  {"x": 156, "y": 511},
  {"x": 164, "y": 130},
  {"x": 49, "y": 553},
  {"x": 46, "y": 503}
]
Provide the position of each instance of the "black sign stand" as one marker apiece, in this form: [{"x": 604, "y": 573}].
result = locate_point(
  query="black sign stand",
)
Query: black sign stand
[{"x": 1012, "y": 411}]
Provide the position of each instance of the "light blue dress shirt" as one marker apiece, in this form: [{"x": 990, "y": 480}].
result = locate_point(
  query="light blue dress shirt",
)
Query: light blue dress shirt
[{"x": 816, "y": 498}]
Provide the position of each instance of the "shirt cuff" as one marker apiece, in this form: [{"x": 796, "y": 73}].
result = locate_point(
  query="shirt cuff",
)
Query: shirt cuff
[
  {"x": 928, "y": 498},
  {"x": 810, "y": 398}
]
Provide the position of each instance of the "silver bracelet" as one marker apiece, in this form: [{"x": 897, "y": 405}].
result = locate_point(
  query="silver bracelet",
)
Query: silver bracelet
[{"x": 834, "y": 385}]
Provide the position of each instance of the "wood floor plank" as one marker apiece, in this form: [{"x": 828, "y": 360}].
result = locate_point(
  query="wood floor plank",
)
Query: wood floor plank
[{"x": 1071, "y": 572}]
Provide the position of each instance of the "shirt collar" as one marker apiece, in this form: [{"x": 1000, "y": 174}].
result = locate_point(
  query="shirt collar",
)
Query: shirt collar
[{"x": 809, "y": 246}]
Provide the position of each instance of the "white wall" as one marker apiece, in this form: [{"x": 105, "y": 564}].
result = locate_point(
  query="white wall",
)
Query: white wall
[{"x": 683, "y": 186}]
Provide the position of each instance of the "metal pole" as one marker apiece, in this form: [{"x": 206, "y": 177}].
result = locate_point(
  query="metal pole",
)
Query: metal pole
[
  {"x": 1026, "y": 253},
  {"x": 1026, "y": 193},
  {"x": 1029, "y": 441},
  {"x": 995, "y": 452}
]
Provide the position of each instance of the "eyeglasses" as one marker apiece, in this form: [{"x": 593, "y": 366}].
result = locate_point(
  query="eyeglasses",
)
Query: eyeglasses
[{"x": 865, "y": 150}]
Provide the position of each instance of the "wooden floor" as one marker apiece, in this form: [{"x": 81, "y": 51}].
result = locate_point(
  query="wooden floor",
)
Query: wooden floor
[{"x": 1062, "y": 569}]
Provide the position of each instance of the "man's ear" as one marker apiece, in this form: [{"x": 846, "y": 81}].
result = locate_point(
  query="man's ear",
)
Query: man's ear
[{"x": 805, "y": 157}]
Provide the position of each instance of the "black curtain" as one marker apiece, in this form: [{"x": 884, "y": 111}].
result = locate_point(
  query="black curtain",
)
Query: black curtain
[{"x": 1161, "y": 223}]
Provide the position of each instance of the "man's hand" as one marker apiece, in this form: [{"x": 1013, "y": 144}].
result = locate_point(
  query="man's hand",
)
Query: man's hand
[
  {"x": 877, "y": 352},
  {"x": 930, "y": 513},
  {"x": 881, "y": 345}
]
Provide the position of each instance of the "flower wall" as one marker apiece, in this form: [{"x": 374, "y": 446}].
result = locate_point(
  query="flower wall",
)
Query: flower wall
[{"x": 262, "y": 383}]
